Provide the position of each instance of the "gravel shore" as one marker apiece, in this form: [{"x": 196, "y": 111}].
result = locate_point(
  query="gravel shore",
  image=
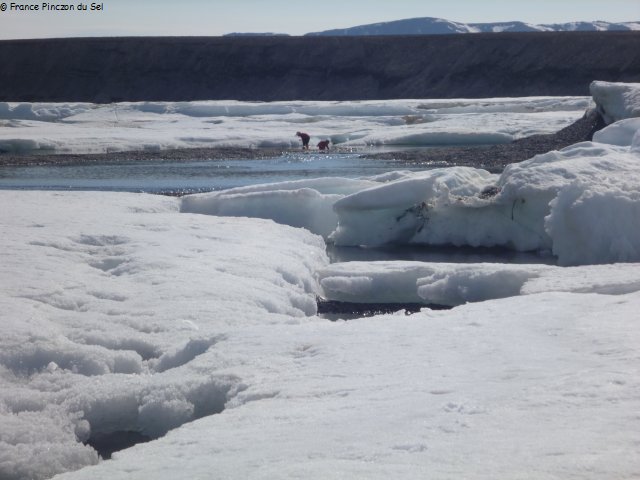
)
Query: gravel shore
[
  {"x": 184, "y": 154},
  {"x": 493, "y": 158}
]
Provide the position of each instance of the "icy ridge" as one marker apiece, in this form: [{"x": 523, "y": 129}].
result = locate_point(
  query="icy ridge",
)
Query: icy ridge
[
  {"x": 579, "y": 202},
  {"x": 439, "y": 26}
]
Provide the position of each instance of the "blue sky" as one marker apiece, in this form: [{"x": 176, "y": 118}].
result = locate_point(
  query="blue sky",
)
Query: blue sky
[{"x": 217, "y": 17}]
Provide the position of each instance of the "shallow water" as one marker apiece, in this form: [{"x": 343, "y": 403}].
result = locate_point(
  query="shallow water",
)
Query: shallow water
[{"x": 182, "y": 177}]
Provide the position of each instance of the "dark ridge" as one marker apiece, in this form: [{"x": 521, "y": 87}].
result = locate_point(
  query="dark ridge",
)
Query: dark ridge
[{"x": 267, "y": 68}]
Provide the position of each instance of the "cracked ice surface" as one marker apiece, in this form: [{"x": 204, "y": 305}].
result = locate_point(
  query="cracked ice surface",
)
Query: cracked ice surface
[
  {"x": 112, "y": 310},
  {"x": 121, "y": 314}
]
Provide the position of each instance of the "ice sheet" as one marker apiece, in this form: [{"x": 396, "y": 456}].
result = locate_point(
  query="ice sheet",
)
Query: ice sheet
[
  {"x": 153, "y": 126},
  {"x": 129, "y": 313},
  {"x": 453, "y": 284},
  {"x": 528, "y": 386}
]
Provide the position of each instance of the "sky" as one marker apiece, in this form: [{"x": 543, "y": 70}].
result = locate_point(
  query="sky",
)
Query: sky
[{"x": 218, "y": 17}]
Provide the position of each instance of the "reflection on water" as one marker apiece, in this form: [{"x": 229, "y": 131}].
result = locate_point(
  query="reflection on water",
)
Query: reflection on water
[{"x": 181, "y": 177}]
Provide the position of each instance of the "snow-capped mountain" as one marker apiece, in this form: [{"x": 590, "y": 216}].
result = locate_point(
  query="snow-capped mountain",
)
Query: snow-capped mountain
[{"x": 433, "y": 26}]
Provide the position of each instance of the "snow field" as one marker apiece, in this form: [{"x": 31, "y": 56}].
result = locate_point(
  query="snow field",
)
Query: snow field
[
  {"x": 112, "y": 303},
  {"x": 129, "y": 313},
  {"x": 143, "y": 319},
  {"x": 525, "y": 387},
  {"x": 154, "y": 126}
]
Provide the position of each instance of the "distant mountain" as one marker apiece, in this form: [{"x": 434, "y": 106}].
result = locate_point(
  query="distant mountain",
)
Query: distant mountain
[
  {"x": 435, "y": 26},
  {"x": 256, "y": 34}
]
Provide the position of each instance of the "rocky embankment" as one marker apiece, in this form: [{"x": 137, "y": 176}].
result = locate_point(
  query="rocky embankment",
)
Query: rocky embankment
[
  {"x": 495, "y": 157},
  {"x": 315, "y": 68}
]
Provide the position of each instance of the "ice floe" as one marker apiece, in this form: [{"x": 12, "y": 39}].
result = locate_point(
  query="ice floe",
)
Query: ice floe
[{"x": 581, "y": 202}]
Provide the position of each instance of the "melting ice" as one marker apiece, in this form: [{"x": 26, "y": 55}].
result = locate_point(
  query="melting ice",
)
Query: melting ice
[
  {"x": 136, "y": 313},
  {"x": 153, "y": 126}
]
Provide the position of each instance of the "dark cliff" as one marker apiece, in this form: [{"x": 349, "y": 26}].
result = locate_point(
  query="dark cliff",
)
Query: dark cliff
[{"x": 315, "y": 68}]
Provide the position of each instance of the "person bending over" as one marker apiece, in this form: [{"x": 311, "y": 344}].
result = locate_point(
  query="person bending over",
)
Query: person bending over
[
  {"x": 324, "y": 145},
  {"x": 305, "y": 139}
]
